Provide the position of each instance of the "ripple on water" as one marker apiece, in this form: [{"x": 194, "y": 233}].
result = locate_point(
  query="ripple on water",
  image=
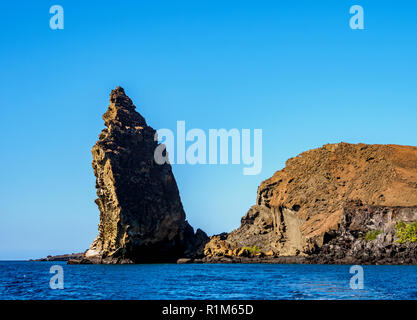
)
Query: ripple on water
[{"x": 29, "y": 280}]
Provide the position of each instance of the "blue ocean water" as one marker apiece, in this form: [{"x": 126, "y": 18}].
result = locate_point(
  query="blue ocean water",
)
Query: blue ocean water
[{"x": 30, "y": 280}]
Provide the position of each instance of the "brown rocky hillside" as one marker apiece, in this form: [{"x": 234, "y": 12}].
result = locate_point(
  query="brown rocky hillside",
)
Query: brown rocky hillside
[{"x": 303, "y": 206}]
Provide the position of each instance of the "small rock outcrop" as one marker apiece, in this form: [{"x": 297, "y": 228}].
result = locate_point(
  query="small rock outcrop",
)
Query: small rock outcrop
[
  {"x": 63, "y": 257},
  {"x": 141, "y": 215},
  {"x": 325, "y": 201}
]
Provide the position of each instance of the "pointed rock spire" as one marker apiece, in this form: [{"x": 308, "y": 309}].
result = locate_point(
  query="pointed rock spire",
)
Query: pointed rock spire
[
  {"x": 141, "y": 215},
  {"x": 121, "y": 111}
]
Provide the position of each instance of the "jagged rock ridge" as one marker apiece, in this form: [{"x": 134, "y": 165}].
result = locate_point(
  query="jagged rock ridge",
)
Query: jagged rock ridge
[
  {"x": 306, "y": 208},
  {"x": 141, "y": 215}
]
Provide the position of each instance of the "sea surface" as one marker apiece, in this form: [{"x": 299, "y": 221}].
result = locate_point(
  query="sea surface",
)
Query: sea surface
[{"x": 31, "y": 280}]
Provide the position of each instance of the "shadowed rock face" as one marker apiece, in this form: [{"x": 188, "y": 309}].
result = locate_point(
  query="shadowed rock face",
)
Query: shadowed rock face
[
  {"x": 310, "y": 203},
  {"x": 349, "y": 244},
  {"x": 141, "y": 215}
]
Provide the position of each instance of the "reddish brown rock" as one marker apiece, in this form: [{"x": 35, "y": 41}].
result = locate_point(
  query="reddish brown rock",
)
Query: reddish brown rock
[{"x": 307, "y": 204}]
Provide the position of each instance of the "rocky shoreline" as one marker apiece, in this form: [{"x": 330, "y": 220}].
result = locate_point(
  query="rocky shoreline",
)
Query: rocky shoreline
[
  {"x": 403, "y": 259},
  {"x": 341, "y": 203},
  {"x": 366, "y": 235},
  {"x": 62, "y": 257},
  {"x": 299, "y": 260},
  {"x": 338, "y": 204}
]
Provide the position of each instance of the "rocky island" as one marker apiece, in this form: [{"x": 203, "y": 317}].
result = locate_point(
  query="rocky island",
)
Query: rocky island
[
  {"x": 142, "y": 219},
  {"x": 341, "y": 203}
]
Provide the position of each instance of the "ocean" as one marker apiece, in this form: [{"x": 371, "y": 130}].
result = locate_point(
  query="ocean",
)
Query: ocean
[{"x": 31, "y": 280}]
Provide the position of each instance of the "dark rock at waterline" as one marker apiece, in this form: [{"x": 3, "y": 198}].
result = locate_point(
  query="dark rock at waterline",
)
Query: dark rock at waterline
[{"x": 62, "y": 257}]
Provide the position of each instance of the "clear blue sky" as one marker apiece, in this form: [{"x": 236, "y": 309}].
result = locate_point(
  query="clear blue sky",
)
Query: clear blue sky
[{"x": 292, "y": 68}]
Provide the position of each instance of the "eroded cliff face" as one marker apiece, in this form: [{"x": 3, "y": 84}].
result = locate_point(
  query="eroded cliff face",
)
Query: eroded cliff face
[
  {"x": 141, "y": 214},
  {"x": 304, "y": 206},
  {"x": 367, "y": 234}
]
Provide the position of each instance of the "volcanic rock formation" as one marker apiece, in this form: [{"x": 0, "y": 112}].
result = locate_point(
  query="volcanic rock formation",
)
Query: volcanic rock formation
[
  {"x": 326, "y": 201},
  {"x": 141, "y": 215}
]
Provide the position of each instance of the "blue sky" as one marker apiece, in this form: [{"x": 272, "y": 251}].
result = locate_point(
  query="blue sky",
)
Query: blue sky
[{"x": 292, "y": 68}]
